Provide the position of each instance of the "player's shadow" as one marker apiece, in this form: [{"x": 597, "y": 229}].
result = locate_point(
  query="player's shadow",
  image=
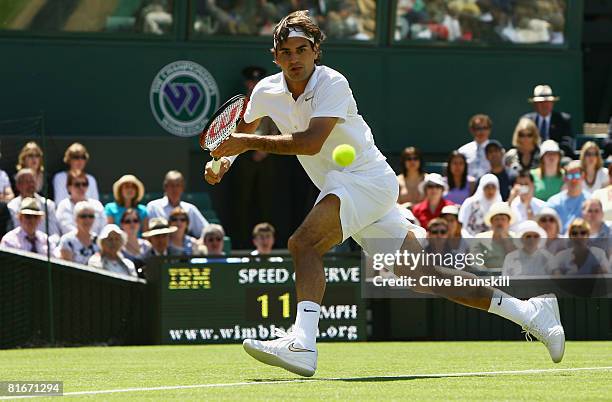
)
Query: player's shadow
[{"x": 364, "y": 379}]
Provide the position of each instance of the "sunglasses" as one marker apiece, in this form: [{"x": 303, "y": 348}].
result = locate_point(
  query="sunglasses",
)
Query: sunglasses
[
  {"x": 531, "y": 236},
  {"x": 34, "y": 156},
  {"x": 214, "y": 238},
  {"x": 525, "y": 135},
  {"x": 548, "y": 219},
  {"x": 80, "y": 184},
  {"x": 573, "y": 176},
  {"x": 591, "y": 153},
  {"x": 438, "y": 231},
  {"x": 130, "y": 221},
  {"x": 412, "y": 158},
  {"x": 31, "y": 217},
  {"x": 87, "y": 216},
  {"x": 480, "y": 128},
  {"x": 178, "y": 219},
  {"x": 576, "y": 233}
]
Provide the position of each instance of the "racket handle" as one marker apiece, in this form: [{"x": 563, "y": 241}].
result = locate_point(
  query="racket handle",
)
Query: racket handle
[{"x": 216, "y": 165}]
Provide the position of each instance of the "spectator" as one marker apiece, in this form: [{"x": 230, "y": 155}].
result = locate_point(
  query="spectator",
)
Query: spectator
[
  {"x": 456, "y": 244},
  {"x": 26, "y": 236},
  {"x": 155, "y": 17},
  {"x": 263, "y": 238},
  {"x": 411, "y": 176},
  {"x": 79, "y": 244},
  {"x": 180, "y": 242},
  {"x": 494, "y": 152},
  {"x": 437, "y": 236},
  {"x": 174, "y": 186},
  {"x": 579, "y": 258},
  {"x": 460, "y": 184},
  {"x": 531, "y": 258},
  {"x": 212, "y": 238},
  {"x": 592, "y": 212},
  {"x": 77, "y": 184},
  {"x": 524, "y": 205},
  {"x": 6, "y": 192},
  {"x": 480, "y": 126},
  {"x": 568, "y": 203},
  {"x": 605, "y": 196},
  {"x": 76, "y": 157},
  {"x": 496, "y": 243},
  {"x": 6, "y": 221},
  {"x": 135, "y": 248},
  {"x": 526, "y": 143},
  {"x": 26, "y": 185},
  {"x": 109, "y": 258},
  {"x": 31, "y": 157},
  {"x": 159, "y": 237},
  {"x": 473, "y": 209},
  {"x": 548, "y": 178},
  {"x": 434, "y": 187},
  {"x": 128, "y": 191},
  {"x": 552, "y": 125},
  {"x": 549, "y": 220},
  {"x": 595, "y": 175}
]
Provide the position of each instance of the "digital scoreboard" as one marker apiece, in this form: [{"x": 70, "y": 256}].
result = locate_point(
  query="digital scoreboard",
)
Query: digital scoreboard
[{"x": 221, "y": 302}]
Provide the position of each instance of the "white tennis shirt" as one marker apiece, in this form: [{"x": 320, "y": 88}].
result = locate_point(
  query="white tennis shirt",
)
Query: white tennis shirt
[{"x": 327, "y": 94}]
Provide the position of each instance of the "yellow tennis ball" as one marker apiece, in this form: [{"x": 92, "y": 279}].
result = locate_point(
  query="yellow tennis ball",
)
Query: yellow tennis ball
[{"x": 344, "y": 154}]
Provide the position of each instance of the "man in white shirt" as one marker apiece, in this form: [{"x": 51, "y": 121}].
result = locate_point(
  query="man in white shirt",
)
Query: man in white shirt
[
  {"x": 524, "y": 205},
  {"x": 26, "y": 185},
  {"x": 26, "y": 236},
  {"x": 480, "y": 126},
  {"x": 314, "y": 108},
  {"x": 174, "y": 186}
]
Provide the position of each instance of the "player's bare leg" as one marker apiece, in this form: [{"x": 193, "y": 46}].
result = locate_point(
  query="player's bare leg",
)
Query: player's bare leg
[
  {"x": 297, "y": 352},
  {"x": 320, "y": 231},
  {"x": 538, "y": 316}
]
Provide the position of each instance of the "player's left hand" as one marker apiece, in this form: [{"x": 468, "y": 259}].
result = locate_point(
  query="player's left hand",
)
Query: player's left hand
[{"x": 234, "y": 145}]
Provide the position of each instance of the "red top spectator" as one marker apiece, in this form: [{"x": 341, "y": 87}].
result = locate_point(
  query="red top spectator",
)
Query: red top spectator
[{"x": 431, "y": 207}]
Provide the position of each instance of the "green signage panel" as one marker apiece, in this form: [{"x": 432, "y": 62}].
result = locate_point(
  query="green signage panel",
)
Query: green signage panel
[{"x": 218, "y": 302}]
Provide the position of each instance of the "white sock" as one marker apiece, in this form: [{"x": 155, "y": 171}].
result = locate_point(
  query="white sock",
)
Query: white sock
[
  {"x": 307, "y": 323},
  {"x": 511, "y": 308}
]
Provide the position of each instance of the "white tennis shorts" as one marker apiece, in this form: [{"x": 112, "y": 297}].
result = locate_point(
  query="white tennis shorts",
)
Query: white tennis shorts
[{"x": 368, "y": 208}]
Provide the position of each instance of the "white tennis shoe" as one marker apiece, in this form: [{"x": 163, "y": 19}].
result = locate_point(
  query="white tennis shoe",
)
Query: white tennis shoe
[
  {"x": 546, "y": 326},
  {"x": 283, "y": 352}
]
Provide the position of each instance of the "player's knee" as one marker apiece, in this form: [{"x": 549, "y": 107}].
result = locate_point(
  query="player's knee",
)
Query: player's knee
[{"x": 297, "y": 244}]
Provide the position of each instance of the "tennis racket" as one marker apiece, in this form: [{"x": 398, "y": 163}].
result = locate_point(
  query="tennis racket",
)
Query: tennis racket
[{"x": 221, "y": 125}]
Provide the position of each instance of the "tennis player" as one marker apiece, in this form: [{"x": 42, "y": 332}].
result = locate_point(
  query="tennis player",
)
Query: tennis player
[{"x": 315, "y": 110}]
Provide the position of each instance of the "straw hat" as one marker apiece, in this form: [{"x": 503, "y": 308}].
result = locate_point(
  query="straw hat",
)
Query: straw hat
[
  {"x": 500, "y": 208},
  {"x": 129, "y": 178},
  {"x": 159, "y": 226},
  {"x": 29, "y": 206},
  {"x": 543, "y": 93}
]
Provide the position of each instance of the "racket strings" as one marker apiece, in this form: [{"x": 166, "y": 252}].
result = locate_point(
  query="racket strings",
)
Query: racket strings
[{"x": 224, "y": 124}]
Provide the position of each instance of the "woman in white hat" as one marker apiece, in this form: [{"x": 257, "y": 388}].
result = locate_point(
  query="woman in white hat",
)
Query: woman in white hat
[
  {"x": 109, "y": 257},
  {"x": 580, "y": 258},
  {"x": 595, "y": 175},
  {"x": 497, "y": 242},
  {"x": 474, "y": 208},
  {"x": 128, "y": 191},
  {"x": 530, "y": 258},
  {"x": 605, "y": 196},
  {"x": 549, "y": 220},
  {"x": 548, "y": 177}
]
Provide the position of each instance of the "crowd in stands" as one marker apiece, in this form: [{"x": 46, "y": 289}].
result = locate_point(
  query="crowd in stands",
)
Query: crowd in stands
[
  {"x": 488, "y": 21},
  {"x": 540, "y": 200},
  {"x": 119, "y": 236},
  {"x": 343, "y": 19},
  {"x": 538, "y": 208}
]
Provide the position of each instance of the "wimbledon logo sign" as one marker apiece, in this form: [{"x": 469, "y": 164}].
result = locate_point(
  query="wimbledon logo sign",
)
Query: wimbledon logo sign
[{"x": 183, "y": 97}]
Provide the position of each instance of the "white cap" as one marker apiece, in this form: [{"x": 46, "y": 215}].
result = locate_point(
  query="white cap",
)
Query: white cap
[
  {"x": 549, "y": 146},
  {"x": 433, "y": 178},
  {"x": 107, "y": 230}
]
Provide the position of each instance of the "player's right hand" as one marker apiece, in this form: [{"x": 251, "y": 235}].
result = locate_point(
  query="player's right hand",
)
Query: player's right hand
[{"x": 212, "y": 177}]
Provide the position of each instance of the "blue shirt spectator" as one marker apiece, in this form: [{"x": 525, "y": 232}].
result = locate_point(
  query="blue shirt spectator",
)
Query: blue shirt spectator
[
  {"x": 128, "y": 191},
  {"x": 568, "y": 203}
]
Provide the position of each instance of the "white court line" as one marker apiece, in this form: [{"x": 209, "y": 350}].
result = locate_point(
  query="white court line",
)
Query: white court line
[{"x": 282, "y": 382}]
